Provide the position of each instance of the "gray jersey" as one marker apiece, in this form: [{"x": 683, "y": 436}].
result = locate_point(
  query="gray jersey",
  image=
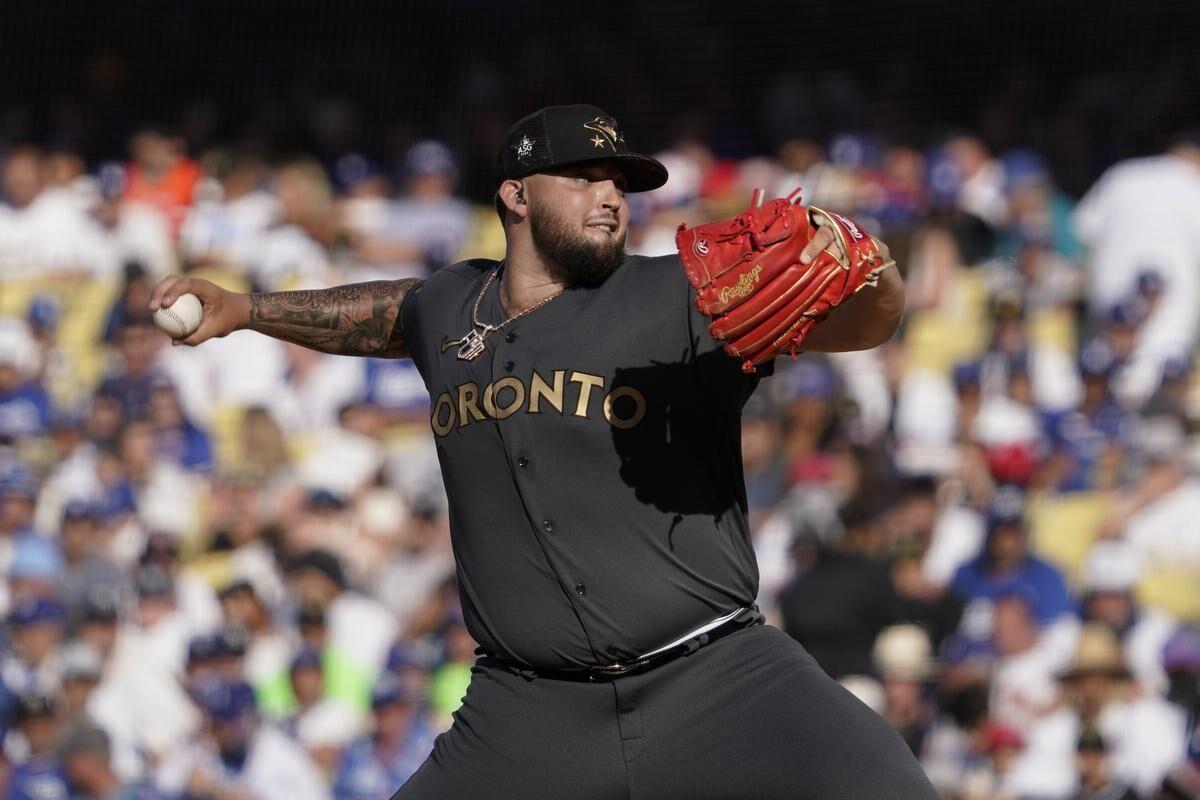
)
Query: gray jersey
[{"x": 592, "y": 460}]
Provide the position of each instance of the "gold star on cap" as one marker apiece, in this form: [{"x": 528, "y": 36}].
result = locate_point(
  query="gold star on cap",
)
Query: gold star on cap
[{"x": 606, "y": 133}]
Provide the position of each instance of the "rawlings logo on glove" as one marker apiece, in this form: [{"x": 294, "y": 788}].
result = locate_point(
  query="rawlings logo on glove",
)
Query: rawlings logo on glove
[
  {"x": 749, "y": 278},
  {"x": 744, "y": 286}
]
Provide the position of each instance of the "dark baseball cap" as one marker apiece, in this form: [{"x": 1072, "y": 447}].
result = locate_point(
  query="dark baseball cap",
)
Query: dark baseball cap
[
  {"x": 236, "y": 587},
  {"x": 153, "y": 581},
  {"x": 306, "y": 658},
  {"x": 102, "y": 605},
  {"x": 224, "y": 700},
  {"x": 556, "y": 136},
  {"x": 36, "y": 611},
  {"x": 310, "y": 615},
  {"x": 85, "y": 739},
  {"x": 388, "y": 691},
  {"x": 75, "y": 510},
  {"x": 35, "y": 704},
  {"x": 1097, "y": 359},
  {"x": 1007, "y": 508},
  {"x": 1091, "y": 741},
  {"x": 323, "y": 562},
  {"x": 203, "y": 649}
]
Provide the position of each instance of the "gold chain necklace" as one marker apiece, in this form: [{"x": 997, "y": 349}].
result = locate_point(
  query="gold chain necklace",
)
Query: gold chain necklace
[{"x": 471, "y": 346}]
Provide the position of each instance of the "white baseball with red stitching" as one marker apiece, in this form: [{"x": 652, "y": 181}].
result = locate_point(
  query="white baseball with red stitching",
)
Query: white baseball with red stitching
[{"x": 181, "y": 318}]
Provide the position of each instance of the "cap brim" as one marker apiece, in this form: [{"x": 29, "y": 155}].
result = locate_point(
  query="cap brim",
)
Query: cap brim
[{"x": 642, "y": 173}]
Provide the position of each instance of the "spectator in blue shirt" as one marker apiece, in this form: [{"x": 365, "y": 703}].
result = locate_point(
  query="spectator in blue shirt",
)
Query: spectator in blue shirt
[
  {"x": 36, "y": 568},
  {"x": 87, "y": 763},
  {"x": 394, "y": 386},
  {"x": 18, "y": 494},
  {"x": 25, "y": 407},
  {"x": 1038, "y": 210},
  {"x": 132, "y": 381},
  {"x": 40, "y": 776},
  {"x": 1006, "y": 567},
  {"x": 35, "y": 627},
  {"x": 1088, "y": 442},
  {"x": 373, "y": 766},
  {"x": 176, "y": 437}
]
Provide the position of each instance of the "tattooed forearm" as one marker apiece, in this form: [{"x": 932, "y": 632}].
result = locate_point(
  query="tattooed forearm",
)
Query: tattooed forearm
[{"x": 361, "y": 319}]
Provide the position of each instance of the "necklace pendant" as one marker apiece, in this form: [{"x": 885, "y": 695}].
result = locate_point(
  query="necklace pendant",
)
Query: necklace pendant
[{"x": 471, "y": 346}]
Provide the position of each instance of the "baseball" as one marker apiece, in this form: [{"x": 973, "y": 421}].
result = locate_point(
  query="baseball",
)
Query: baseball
[{"x": 181, "y": 318}]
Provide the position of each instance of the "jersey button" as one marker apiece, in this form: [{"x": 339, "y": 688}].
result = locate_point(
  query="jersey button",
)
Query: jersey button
[
  {"x": 522, "y": 462},
  {"x": 510, "y": 338},
  {"x": 580, "y": 589},
  {"x": 548, "y": 526},
  {"x": 508, "y": 366}
]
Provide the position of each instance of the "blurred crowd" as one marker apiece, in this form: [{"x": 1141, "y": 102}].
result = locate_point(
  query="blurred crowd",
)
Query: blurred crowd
[{"x": 228, "y": 570}]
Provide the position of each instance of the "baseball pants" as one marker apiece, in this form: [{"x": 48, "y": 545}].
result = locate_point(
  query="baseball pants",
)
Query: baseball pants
[{"x": 748, "y": 717}]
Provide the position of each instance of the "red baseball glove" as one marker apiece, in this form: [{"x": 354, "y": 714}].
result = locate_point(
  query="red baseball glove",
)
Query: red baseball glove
[{"x": 749, "y": 278}]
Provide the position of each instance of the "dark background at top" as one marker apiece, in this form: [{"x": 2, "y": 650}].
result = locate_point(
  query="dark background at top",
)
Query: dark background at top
[{"x": 1086, "y": 83}]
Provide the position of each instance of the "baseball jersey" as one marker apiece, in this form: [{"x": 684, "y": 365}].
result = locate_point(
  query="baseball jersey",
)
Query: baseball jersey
[{"x": 591, "y": 456}]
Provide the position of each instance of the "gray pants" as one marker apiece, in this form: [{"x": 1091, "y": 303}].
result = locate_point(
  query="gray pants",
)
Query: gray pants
[{"x": 749, "y": 716}]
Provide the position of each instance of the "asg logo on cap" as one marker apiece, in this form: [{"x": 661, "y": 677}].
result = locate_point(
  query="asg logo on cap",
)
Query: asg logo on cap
[
  {"x": 701, "y": 247},
  {"x": 524, "y": 148}
]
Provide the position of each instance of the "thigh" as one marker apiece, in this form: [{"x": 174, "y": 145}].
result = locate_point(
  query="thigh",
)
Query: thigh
[
  {"x": 755, "y": 717},
  {"x": 525, "y": 739}
]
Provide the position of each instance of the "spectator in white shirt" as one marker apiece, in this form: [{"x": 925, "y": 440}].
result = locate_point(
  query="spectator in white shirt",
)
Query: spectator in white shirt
[
  {"x": 1141, "y": 215},
  {"x": 295, "y": 252},
  {"x": 981, "y": 187},
  {"x": 43, "y": 231},
  {"x": 1110, "y": 575},
  {"x": 239, "y": 757},
  {"x": 125, "y": 231},
  {"x": 233, "y": 209},
  {"x": 1145, "y": 734},
  {"x": 359, "y": 627},
  {"x": 428, "y": 216}
]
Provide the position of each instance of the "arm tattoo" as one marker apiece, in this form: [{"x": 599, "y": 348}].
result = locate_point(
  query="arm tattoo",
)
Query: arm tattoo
[{"x": 361, "y": 319}]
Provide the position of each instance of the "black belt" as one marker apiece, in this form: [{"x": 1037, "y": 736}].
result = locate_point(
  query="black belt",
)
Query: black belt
[{"x": 604, "y": 672}]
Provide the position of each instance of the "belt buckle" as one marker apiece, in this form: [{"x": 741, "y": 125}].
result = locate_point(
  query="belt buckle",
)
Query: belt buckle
[
  {"x": 622, "y": 668},
  {"x": 611, "y": 670}
]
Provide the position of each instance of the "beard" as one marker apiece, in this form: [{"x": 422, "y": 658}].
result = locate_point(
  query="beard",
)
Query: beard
[{"x": 571, "y": 256}]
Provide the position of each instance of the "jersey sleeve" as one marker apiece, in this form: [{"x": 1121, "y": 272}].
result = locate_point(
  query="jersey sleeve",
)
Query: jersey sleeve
[
  {"x": 719, "y": 370},
  {"x": 409, "y": 323}
]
